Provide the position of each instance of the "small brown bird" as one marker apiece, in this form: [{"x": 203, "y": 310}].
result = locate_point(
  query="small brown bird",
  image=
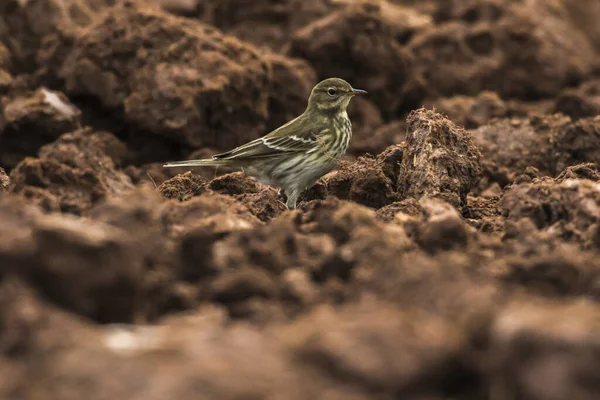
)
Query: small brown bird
[{"x": 294, "y": 156}]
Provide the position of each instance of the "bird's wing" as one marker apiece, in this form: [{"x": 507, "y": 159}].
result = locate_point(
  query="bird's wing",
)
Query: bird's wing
[{"x": 277, "y": 142}]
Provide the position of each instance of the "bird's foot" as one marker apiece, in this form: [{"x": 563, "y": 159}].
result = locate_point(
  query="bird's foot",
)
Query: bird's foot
[
  {"x": 282, "y": 202},
  {"x": 281, "y": 197},
  {"x": 291, "y": 202},
  {"x": 281, "y": 194}
]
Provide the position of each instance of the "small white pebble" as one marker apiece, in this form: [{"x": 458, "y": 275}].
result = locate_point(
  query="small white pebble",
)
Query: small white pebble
[
  {"x": 127, "y": 340},
  {"x": 120, "y": 341},
  {"x": 53, "y": 100}
]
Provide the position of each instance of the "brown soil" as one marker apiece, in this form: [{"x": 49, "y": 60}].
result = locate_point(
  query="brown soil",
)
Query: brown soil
[
  {"x": 4, "y": 180},
  {"x": 580, "y": 102},
  {"x": 454, "y": 253}
]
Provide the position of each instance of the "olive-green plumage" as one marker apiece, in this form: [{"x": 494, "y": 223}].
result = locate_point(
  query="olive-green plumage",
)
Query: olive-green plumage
[{"x": 295, "y": 155}]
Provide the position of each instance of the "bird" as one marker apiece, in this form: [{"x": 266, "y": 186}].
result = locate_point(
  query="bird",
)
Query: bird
[{"x": 296, "y": 155}]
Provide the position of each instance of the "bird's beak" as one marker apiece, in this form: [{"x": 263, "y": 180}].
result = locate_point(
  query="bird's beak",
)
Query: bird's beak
[{"x": 358, "y": 91}]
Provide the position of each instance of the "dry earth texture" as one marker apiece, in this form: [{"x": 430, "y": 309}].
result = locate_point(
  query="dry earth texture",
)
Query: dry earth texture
[{"x": 453, "y": 255}]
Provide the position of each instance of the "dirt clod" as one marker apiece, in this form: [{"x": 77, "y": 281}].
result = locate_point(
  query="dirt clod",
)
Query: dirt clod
[
  {"x": 364, "y": 182},
  {"x": 518, "y": 143},
  {"x": 409, "y": 206},
  {"x": 552, "y": 340},
  {"x": 265, "y": 204},
  {"x": 327, "y": 338},
  {"x": 504, "y": 47},
  {"x": 443, "y": 228},
  {"x": 4, "y": 181},
  {"x": 74, "y": 169},
  {"x": 580, "y": 102},
  {"x": 218, "y": 98},
  {"x": 589, "y": 171},
  {"x": 212, "y": 211},
  {"x": 577, "y": 143},
  {"x": 32, "y": 120},
  {"x": 440, "y": 159},
  {"x": 183, "y": 187},
  {"x": 361, "y": 35},
  {"x": 105, "y": 266},
  {"x": 236, "y": 183},
  {"x": 567, "y": 209},
  {"x": 25, "y": 24}
]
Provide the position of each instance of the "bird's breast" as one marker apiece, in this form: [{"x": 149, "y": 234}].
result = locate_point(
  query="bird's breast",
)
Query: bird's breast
[{"x": 343, "y": 134}]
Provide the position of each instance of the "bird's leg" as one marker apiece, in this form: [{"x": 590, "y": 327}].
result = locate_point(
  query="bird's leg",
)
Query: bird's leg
[
  {"x": 291, "y": 200},
  {"x": 281, "y": 196}
]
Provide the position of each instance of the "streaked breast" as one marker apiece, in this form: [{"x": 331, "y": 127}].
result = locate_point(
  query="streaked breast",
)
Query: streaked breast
[{"x": 341, "y": 141}]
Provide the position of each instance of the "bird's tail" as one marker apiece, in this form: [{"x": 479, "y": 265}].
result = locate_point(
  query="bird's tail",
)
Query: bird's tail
[{"x": 208, "y": 162}]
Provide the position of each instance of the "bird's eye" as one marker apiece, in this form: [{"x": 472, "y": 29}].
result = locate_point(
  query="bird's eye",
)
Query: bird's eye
[{"x": 332, "y": 92}]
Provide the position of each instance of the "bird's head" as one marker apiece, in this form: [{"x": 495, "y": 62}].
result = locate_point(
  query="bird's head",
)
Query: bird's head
[{"x": 332, "y": 95}]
